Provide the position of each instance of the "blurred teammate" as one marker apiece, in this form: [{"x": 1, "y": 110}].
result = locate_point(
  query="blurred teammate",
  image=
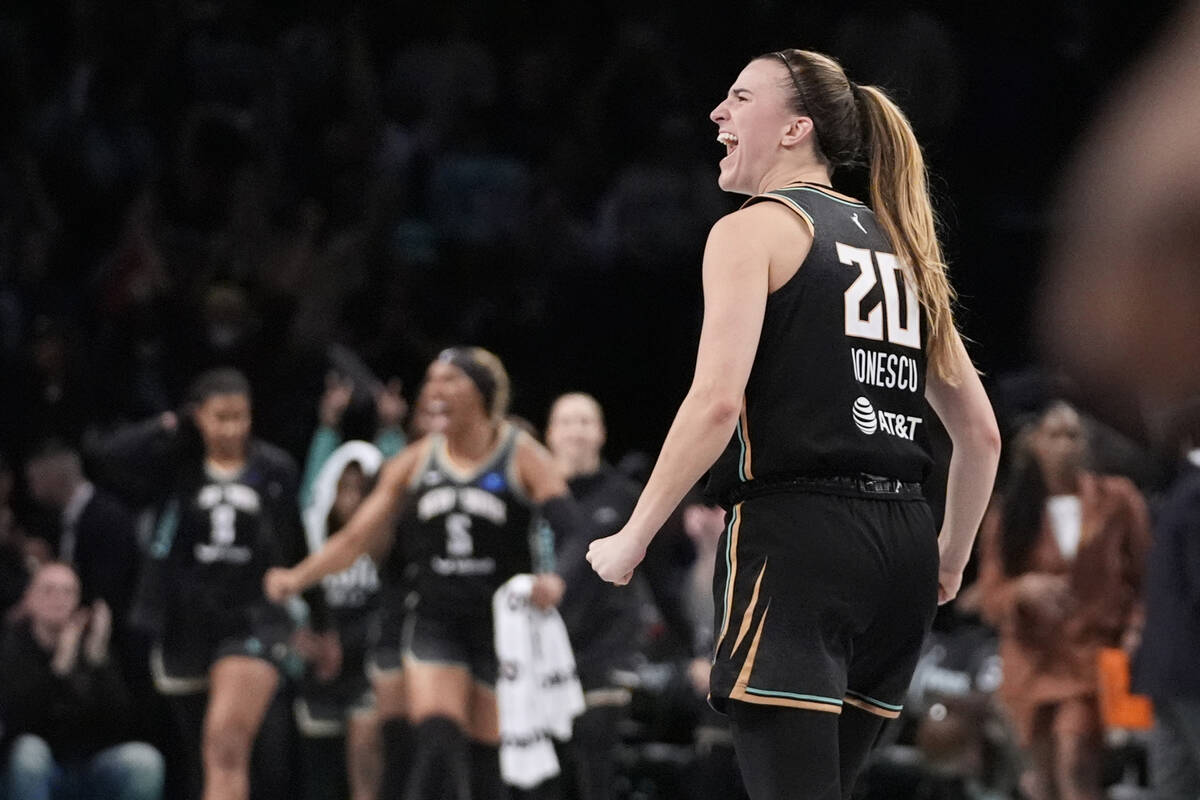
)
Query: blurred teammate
[
  {"x": 228, "y": 510},
  {"x": 465, "y": 499}
]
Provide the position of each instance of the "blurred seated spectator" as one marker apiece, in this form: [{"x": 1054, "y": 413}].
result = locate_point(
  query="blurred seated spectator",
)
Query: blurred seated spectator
[
  {"x": 96, "y": 535},
  {"x": 1060, "y": 576},
  {"x": 65, "y": 711}
]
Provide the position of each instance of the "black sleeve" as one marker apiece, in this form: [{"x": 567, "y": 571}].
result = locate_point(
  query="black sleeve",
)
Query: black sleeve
[
  {"x": 137, "y": 461},
  {"x": 28, "y": 688},
  {"x": 570, "y": 527}
]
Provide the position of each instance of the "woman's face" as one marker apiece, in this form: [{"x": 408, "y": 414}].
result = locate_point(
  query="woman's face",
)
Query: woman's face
[
  {"x": 751, "y": 122},
  {"x": 1058, "y": 441},
  {"x": 224, "y": 423},
  {"x": 351, "y": 490},
  {"x": 575, "y": 432},
  {"x": 450, "y": 393}
]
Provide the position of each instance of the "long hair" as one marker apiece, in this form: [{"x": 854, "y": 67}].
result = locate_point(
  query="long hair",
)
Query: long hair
[
  {"x": 861, "y": 123},
  {"x": 1022, "y": 507}
]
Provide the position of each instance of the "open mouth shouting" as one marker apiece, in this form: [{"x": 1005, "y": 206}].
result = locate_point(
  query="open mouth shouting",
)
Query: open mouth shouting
[{"x": 730, "y": 140}]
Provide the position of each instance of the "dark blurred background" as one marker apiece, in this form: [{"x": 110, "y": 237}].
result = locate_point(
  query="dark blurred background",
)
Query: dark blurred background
[{"x": 190, "y": 183}]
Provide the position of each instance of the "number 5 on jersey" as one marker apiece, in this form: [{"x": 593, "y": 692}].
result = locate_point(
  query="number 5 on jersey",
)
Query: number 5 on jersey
[
  {"x": 459, "y": 543},
  {"x": 907, "y": 334}
]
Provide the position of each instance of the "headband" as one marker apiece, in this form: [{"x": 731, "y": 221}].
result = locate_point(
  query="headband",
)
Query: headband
[{"x": 481, "y": 376}]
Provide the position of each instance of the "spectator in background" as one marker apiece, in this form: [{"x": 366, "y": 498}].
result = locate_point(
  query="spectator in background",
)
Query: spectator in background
[
  {"x": 1165, "y": 667},
  {"x": 95, "y": 535},
  {"x": 64, "y": 707},
  {"x": 602, "y": 620},
  {"x": 1062, "y": 554},
  {"x": 336, "y": 703}
]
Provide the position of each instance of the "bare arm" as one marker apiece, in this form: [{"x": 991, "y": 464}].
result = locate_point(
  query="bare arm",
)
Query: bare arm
[
  {"x": 737, "y": 260},
  {"x": 367, "y": 531},
  {"x": 967, "y": 414}
]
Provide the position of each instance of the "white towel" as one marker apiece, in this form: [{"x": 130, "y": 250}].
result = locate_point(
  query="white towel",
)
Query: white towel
[{"x": 537, "y": 691}]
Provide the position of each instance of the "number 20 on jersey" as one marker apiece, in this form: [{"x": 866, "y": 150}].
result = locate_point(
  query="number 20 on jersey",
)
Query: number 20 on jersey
[{"x": 904, "y": 331}]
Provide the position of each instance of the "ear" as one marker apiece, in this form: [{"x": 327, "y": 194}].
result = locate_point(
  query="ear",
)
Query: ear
[{"x": 799, "y": 129}]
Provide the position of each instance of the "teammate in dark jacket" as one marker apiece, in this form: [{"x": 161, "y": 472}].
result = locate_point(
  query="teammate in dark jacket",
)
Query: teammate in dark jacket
[
  {"x": 466, "y": 499},
  {"x": 820, "y": 313},
  {"x": 227, "y": 511}
]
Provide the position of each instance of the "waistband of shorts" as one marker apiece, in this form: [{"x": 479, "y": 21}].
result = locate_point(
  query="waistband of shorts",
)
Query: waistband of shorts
[{"x": 875, "y": 487}]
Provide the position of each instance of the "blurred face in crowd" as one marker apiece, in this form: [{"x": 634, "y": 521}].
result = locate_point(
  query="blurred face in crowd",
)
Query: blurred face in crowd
[
  {"x": 1058, "y": 442},
  {"x": 351, "y": 490},
  {"x": 224, "y": 423},
  {"x": 575, "y": 433},
  {"x": 452, "y": 395},
  {"x": 52, "y": 596},
  {"x": 52, "y": 478},
  {"x": 751, "y": 123}
]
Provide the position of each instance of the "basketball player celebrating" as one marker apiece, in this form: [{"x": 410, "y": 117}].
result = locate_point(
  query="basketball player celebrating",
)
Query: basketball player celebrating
[
  {"x": 227, "y": 511},
  {"x": 827, "y": 327},
  {"x": 466, "y": 500}
]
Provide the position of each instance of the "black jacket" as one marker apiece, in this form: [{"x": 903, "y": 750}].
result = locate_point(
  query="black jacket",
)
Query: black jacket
[
  {"x": 78, "y": 714},
  {"x": 1165, "y": 665}
]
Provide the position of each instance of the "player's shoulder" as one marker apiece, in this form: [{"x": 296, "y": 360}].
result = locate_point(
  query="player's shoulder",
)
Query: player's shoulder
[{"x": 272, "y": 459}]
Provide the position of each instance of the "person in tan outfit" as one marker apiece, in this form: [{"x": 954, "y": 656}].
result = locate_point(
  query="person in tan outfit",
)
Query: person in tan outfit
[{"x": 1061, "y": 563}]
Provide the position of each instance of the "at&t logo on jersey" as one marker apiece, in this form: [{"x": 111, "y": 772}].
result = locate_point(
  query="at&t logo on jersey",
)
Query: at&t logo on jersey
[{"x": 869, "y": 420}]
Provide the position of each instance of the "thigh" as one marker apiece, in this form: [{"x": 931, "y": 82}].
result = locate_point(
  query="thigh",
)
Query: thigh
[
  {"x": 388, "y": 686},
  {"x": 786, "y": 753},
  {"x": 484, "y": 720},
  {"x": 437, "y": 690},
  {"x": 241, "y": 689}
]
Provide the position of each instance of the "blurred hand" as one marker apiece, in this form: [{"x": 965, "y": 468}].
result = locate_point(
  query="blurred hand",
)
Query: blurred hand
[
  {"x": 66, "y": 654},
  {"x": 1048, "y": 594},
  {"x": 547, "y": 590},
  {"x": 322, "y": 650},
  {"x": 280, "y": 585},
  {"x": 615, "y": 557},
  {"x": 390, "y": 405},
  {"x": 95, "y": 649},
  {"x": 335, "y": 400},
  {"x": 703, "y": 523},
  {"x": 698, "y": 672}
]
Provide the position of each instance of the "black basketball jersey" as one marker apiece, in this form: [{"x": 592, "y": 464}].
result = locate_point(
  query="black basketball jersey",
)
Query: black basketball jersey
[
  {"x": 464, "y": 534},
  {"x": 220, "y": 533},
  {"x": 838, "y": 382}
]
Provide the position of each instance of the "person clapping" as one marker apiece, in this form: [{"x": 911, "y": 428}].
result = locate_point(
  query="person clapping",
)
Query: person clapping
[{"x": 64, "y": 709}]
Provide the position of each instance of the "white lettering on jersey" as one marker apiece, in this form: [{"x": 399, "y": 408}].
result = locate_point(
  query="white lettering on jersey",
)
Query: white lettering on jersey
[
  {"x": 885, "y": 370},
  {"x": 892, "y": 275},
  {"x": 869, "y": 420},
  {"x": 437, "y": 502},
  {"x": 469, "y": 499}
]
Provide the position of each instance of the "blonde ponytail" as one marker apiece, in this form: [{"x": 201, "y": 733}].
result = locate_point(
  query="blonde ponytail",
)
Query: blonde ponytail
[{"x": 900, "y": 199}]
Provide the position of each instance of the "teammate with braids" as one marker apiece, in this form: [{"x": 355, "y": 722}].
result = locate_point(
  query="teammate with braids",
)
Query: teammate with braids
[
  {"x": 466, "y": 500},
  {"x": 828, "y": 333}
]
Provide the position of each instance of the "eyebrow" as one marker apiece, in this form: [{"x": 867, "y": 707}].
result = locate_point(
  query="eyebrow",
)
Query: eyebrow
[{"x": 740, "y": 90}]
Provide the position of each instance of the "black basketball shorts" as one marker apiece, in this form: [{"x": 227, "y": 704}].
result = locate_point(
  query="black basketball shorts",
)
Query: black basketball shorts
[
  {"x": 457, "y": 640},
  {"x": 822, "y": 601},
  {"x": 192, "y": 642}
]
